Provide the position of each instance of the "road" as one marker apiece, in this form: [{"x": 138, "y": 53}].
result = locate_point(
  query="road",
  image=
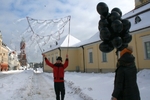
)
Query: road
[
  {"x": 40, "y": 88},
  {"x": 29, "y": 85}
]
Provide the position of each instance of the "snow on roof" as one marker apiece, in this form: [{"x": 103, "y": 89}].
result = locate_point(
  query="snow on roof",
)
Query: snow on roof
[
  {"x": 69, "y": 40},
  {"x": 92, "y": 39},
  {"x": 143, "y": 13},
  {"x": 66, "y": 41}
]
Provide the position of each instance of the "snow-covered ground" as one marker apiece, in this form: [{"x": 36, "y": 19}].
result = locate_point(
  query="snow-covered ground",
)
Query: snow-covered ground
[{"x": 31, "y": 85}]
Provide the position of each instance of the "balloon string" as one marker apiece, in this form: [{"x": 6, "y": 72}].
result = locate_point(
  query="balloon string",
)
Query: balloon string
[{"x": 117, "y": 54}]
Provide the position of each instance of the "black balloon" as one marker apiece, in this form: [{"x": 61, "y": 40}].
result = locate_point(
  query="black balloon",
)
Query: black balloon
[
  {"x": 103, "y": 23},
  {"x": 114, "y": 16},
  {"x": 117, "y": 26},
  {"x": 117, "y": 42},
  {"x": 123, "y": 33},
  {"x": 102, "y": 9},
  {"x": 106, "y": 47},
  {"x": 127, "y": 38},
  {"x": 122, "y": 47},
  {"x": 117, "y": 10},
  {"x": 105, "y": 33},
  {"x": 102, "y": 17},
  {"x": 101, "y": 37},
  {"x": 114, "y": 31},
  {"x": 126, "y": 24}
]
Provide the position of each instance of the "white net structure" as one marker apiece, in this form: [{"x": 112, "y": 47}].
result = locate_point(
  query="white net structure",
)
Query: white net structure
[{"x": 39, "y": 35}]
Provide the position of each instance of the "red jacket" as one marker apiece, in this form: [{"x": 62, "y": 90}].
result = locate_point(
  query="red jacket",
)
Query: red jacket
[{"x": 58, "y": 70}]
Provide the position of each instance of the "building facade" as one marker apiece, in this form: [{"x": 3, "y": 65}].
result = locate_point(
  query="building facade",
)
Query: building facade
[
  {"x": 85, "y": 56},
  {"x": 3, "y": 51}
]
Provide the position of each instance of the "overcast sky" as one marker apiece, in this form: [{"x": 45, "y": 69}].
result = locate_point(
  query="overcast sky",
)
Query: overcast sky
[{"x": 84, "y": 17}]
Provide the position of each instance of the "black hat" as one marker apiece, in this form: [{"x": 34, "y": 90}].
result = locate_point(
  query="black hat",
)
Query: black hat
[{"x": 59, "y": 58}]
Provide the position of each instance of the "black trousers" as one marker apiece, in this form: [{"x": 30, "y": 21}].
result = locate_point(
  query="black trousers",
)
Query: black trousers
[{"x": 59, "y": 89}]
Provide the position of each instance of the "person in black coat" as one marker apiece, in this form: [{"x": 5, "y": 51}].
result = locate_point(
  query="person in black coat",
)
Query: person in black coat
[{"x": 125, "y": 85}]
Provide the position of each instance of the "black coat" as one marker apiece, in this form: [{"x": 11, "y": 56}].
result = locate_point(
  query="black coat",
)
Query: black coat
[{"x": 125, "y": 85}]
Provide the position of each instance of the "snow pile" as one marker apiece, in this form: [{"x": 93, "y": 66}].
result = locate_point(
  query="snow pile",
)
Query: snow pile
[
  {"x": 143, "y": 80},
  {"x": 11, "y": 88}
]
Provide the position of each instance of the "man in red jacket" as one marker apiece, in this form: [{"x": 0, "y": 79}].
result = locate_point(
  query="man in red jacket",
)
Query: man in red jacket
[{"x": 58, "y": 74}]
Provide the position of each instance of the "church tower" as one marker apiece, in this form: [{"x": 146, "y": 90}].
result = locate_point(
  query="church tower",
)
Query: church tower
[{"x": 22, "y": 56}]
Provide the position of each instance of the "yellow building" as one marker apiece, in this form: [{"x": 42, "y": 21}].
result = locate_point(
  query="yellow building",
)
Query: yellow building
[
  {"x": 140, "y": 30},
  {"x": 3, "y": 51},
  {"x": 85, "y": 56}
]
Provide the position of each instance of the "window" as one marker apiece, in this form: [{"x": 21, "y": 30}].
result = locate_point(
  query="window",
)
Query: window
[
  {"x": 52, "y": 59},
  {"x": 56, "y": 57},
  {"x": 49, "y": 58},
  {"x": 90, "y": 56},
  {"x": 147, "y": 50},
  {"x": 146, "y": 46},
  {"x": 104, "y": 57}
]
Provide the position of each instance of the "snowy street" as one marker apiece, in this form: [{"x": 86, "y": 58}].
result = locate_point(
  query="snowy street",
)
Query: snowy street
[
  {"x": 4, "y": 75},
  {"x": 40, "y": 88},
  {"x": 31, "y": 85}
]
